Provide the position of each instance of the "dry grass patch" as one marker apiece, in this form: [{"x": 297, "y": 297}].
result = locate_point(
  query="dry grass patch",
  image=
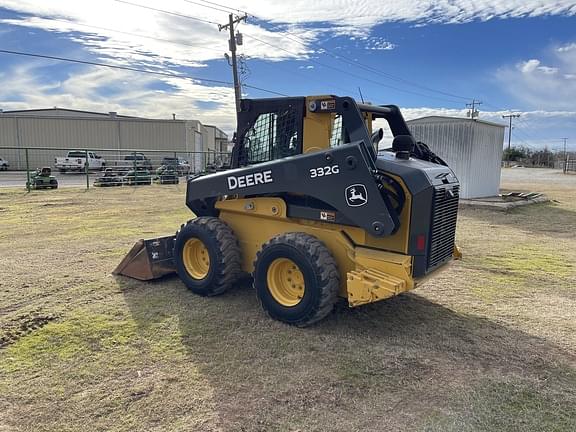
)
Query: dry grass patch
[{"x": 487, "y": 345}]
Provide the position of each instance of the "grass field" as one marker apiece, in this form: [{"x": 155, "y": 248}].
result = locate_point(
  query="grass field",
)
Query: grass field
[{"x": 488, "y": 345}]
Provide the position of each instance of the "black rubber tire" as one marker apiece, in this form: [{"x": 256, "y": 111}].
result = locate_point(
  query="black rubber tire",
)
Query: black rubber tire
[
  {"x": 321, "y": 277},
  {"x": 224, "y": 251}
]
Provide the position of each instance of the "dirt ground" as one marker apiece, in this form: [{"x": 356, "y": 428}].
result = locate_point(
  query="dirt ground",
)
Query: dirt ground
[{"x": 488, "y": 345}]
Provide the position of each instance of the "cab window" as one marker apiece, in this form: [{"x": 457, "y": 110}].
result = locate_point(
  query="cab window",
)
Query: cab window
[{"x": 274, "y": 135}]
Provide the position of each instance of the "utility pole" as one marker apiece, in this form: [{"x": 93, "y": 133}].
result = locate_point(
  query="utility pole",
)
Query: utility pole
[
  {"x": 234, "y": 40},
  {"x": 510, "y": 116},
  {"x": 565, "y": 156},
  {"x": 473, "y": 113}
]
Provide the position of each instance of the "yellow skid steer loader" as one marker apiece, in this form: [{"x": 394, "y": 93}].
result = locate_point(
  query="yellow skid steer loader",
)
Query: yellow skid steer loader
[{"x": 311, "y": 210}]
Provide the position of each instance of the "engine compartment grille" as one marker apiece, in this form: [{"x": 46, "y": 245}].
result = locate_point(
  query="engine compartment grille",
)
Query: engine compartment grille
[{"x": 443, "y": 227}]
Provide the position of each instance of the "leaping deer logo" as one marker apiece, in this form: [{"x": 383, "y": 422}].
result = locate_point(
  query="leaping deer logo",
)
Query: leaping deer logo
[{"x": 356, "y": 195}]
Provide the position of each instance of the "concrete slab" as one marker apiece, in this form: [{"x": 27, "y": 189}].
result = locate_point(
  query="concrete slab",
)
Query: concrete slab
[{"x": 507, "y": 201}]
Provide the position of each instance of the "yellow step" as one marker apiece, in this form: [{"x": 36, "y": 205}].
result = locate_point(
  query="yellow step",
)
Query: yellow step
[{"x": 370, "y": 285}]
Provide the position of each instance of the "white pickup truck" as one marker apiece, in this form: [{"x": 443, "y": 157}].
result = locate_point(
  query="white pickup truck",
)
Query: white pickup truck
[{"x": 75, "y": 160}]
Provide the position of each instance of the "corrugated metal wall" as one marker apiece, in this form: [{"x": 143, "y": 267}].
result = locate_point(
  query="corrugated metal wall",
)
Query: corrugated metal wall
[
  {"x": 152, "y": 135},
  {"x": 95, "y": 133},
  {"x": 486, "y": 160},
  {"x": 472, "y": 149},
  {"x": 9, "y": 138},
  {"x": 57, "y": 132},
  {"x": 211, "y": 136}
]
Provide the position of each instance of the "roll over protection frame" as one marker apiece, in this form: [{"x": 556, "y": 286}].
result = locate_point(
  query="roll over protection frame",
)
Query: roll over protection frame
[{"x": 291, "y": 174}]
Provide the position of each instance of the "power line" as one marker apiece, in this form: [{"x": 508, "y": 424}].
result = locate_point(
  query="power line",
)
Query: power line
[
  {"x": 131, "y": 69},
  {"x": 355, "y": 63},
  {"x": 265, "y": 90},
  {"x": 350, "y": 61},
  {"x": 526, "y": 129},
  {"x": 282, "y": 49},
  {"x": 127, "y": 68},
  {"x": 495, "y": 107},
  {"x": 350, "y": 73},
  {"x": 344, "y": 59},
  {"x": 296, "y": 38},
  {"x": 196, "y": 19},
  {"x": 229, "y": 9},
  {"x": 520, "y": 133},
  {"x": 135, "y": 34},
  {"x": 310, "y": 78},
  {"x": 166, "y": 12},
  {"x": 519, "y": 120},
  {"x": 206, "y": 6},
  {"x": 373, "y": 70}
]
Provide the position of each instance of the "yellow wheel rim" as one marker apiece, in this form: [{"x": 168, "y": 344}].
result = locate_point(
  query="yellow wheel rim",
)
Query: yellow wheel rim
[
  {"x": 285, "y": 282},
  {"x": 195, "y": 258}
]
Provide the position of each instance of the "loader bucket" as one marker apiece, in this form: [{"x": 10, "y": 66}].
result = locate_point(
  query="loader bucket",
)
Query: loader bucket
[{"x": 148, "y": 259}]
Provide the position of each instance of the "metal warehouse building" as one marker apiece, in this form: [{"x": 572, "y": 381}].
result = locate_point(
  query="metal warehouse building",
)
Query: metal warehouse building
[
  {"x": 472, "y": 148},
  {"x": 71, "y": 129}
]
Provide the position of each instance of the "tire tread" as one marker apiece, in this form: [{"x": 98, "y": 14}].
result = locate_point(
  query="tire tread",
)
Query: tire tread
[
  {"x": 325, "y": 269},
  {"x": 229, "y": 265}
]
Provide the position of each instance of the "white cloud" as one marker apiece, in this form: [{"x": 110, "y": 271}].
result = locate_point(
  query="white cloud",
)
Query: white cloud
[
  {"x": 116, "y": 33},
  {"x": 193, "y": 44},
  {"x": 533, "y": 65},
  {"x": 143, "y": 36},
  {"x": 378, "y": 44},
  {"x": 568, "y": 47},
  {"x": 533, "y": 129},
  {"x": 128, "y": 93},
  {"x": 548, "y": 70},
  {"x": 138, "y": 95},
  {"x": 364, "y": 13},
  {"x": 203, "y": 42},
  {"x": 547, "y": 87},
  {"x": 529, "y": 66}
]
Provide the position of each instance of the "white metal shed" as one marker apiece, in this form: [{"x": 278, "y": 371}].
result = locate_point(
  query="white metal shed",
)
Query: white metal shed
[{"x": 472, "y": 148}]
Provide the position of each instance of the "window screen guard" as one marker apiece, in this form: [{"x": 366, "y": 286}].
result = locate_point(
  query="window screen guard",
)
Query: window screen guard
[
  {"x": 273, "y": 136},
  {"x": 270, "y": 129}
]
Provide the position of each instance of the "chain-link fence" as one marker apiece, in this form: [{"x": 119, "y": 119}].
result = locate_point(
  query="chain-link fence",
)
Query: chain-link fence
[{"x": 38, "y": 167}]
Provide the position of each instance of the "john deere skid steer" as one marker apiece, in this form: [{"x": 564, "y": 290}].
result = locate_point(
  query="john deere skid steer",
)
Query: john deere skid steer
[{"x": 312, "y": 211}]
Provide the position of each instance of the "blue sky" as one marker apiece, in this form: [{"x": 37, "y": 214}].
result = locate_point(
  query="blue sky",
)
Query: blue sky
[{"x": 430, "y": 58}]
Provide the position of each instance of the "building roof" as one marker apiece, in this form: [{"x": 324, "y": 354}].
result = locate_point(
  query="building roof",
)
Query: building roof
[
  {"x": 63, "y": 112},
  {"x": 440, "y": 119},
  {"x": 71, "y": 114},
  {"x": 220, "y": 134}
]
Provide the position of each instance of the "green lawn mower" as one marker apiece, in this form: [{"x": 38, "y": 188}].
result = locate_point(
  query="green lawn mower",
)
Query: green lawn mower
[
  {"x": 108, "y": 179},
  {"x": 137, "y": 177},
  {"x": 166, "y": 174},
  {"x": 42, "y": 178}
]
